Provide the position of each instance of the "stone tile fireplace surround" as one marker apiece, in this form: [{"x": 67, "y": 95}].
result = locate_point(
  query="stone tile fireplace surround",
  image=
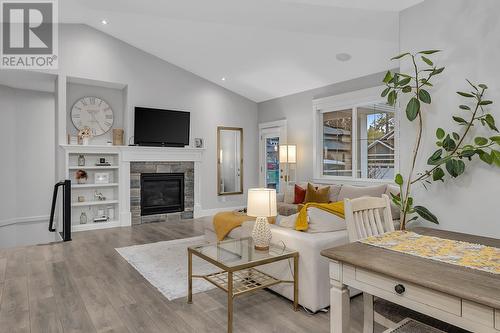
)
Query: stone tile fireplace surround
[{"x": 138, "y": 168}]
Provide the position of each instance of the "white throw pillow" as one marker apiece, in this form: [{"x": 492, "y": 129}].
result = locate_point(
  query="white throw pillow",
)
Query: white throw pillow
[
  {"x": 288, "y": 221},
  {"x": 322, "y": 221}
]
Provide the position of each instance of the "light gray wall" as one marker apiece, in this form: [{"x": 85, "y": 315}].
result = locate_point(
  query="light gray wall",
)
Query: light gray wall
[
  {"x": 114, "y": 98},
  {"x": 468, "y": 32},
  {"x": 27, "y": 136},
  {"x": 297, "y": 110},
  {"x": 152, "y": 82}
]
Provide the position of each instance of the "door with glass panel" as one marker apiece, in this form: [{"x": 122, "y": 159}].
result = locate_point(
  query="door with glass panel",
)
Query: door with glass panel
[{"x": 270, "y": 161}]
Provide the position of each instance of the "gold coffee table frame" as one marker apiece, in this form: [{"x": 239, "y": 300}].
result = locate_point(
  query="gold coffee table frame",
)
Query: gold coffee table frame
[{"x": 239, "y": 275}]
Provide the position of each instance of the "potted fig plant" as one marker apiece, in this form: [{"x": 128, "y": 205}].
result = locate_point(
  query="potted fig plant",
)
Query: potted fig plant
[{"x": 453, "y": 149}]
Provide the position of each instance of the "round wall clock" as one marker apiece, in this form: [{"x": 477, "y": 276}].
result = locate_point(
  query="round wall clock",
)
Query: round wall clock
[{"x": 94, "y": 113}]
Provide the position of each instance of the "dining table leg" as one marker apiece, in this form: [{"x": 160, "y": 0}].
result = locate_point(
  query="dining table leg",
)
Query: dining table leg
[
  {"x": 340, "y": 306},
  {"x": 229, "y": 302}
]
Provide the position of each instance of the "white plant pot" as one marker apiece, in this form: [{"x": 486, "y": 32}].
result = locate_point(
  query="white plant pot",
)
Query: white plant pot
[{"x": 85, "y": 141}]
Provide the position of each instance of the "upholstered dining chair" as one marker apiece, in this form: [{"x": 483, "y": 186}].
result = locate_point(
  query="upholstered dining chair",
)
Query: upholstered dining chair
[{"x": 365, "y": 217}]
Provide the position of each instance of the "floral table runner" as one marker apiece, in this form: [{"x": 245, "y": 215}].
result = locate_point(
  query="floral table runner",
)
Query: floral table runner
[{"x": 475, "y": 256}]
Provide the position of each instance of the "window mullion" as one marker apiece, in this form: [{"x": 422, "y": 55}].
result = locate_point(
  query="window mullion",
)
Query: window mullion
[{"x": 354, "y": 140}]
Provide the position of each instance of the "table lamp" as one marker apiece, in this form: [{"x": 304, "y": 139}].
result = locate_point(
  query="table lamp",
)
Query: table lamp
[{"x": 261, "y": 204}]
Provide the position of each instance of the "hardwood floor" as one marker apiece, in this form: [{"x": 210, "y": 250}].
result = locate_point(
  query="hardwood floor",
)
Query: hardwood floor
[{"x": 86, "y": 286}]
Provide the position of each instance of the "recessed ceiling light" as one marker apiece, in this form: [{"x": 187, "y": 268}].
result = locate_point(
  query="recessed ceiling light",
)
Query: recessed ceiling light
[
  {"x": 223, "y": 79},
  {"x": 343, "y": 56},
  {"x": 104, "y": 22}
]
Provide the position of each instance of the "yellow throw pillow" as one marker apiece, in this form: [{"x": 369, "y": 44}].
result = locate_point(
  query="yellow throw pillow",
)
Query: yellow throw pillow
[{"x": 317, "y": 195}]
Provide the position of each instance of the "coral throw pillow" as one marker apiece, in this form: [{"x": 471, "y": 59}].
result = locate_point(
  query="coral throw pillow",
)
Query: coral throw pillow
[
  {"x": 300, "y": 194},
  {"x": 317, "y": 195}
]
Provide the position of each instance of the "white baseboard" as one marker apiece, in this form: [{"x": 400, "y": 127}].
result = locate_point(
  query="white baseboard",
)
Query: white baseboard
[
  {"x": 24, "y": 220},
  {"x": 213, "y": 211}
]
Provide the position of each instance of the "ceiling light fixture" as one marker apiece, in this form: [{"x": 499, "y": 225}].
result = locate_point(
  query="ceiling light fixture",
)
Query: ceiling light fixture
[
  {"x": 223, "y": 79},
  {"x": 104, "y": 22},
  {"x": 343, "y": 56}
]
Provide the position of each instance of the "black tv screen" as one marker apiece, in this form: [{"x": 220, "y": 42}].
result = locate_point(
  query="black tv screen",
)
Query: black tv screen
[{"x": 156, "y": 127}]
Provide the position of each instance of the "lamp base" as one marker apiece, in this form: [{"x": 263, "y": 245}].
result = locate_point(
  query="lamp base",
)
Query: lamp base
[{"x": 261, "y": 234}]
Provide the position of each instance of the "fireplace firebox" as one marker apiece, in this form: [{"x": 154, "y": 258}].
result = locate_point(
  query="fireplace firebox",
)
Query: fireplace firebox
[{"x": 162, "y": 193}]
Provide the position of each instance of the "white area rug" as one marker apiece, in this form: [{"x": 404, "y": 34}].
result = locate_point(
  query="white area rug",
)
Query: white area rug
[{"x": 164, "y": 265}]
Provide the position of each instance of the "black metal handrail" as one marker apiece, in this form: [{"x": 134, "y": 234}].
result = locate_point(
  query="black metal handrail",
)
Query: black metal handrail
[{"x": 66, "y": 232}]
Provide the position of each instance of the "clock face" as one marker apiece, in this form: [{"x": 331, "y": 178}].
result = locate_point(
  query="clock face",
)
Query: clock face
[{"x": 94, "y": 113}]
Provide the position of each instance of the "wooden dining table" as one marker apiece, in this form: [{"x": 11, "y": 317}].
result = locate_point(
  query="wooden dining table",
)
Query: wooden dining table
[{"x": 464, "y": 297}]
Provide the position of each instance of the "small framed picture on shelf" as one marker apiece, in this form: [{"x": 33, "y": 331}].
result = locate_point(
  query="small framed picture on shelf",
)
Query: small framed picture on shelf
[
  {"x": 198, "y": 142},
  {"x": 101, "y": 178}
]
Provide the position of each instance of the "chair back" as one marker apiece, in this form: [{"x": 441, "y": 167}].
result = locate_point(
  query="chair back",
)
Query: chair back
[{"x": 368, "y": 216}]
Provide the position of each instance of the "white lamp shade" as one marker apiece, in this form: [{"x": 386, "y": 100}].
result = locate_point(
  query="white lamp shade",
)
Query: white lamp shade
[
  {"x": 288, "y": 154},
  {"x": 261, "y": 202}
]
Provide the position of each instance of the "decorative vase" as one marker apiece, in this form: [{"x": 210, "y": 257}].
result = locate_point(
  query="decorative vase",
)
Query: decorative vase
[
  {"x": 85, "y": 141},
  {"x": 261, "y": 234},
  {"x": 81, "y": 180},
  {"x": 81, "y": 160},
  {"x": 83, "y": 218}
]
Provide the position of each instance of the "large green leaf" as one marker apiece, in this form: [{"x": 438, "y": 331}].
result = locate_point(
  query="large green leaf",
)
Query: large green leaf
[
  {"x": 484, "y": 156},
  {"x": 412, "y": 109},
  {"x": 406, "y": 89},
  {"x": 438, "y": 174},
  {"x": 387, "y": 77},
  {"x": 427, "y": 61},
  {"x": 400, "y": 56},
  {"x": 460, "y": 120},
  {"x": 392, "y": 97},
  {"x": 491, "y": 122},
  {"x": 398, "y": 179},
  {"x": 464, "y": 107},
  {"x": 435, "y": 157},
  {"x": 495, "y": 139},
  {"x": 451, "y": 167},
  {"x": 385, "y": 92},
  {"x": 427, "y": 52},
  {"x": 464, "y": 94},
  {"x": 480, "y": 141},
  {"x": 485, "y": 102},
  {"x": 449, "y": 144},
  {"x": 426, "y": 214},
  {"x": 404, "y": 81},
  {"x": 495, "y": 154},
  {"x": 424, "y": 96},
  {"x": 440, "y": 133}
]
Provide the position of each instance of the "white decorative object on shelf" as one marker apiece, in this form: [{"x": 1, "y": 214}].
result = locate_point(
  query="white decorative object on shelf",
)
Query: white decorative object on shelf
[
  {"x": 261, "y": 204},
  {"x": 101, "y": 178}
]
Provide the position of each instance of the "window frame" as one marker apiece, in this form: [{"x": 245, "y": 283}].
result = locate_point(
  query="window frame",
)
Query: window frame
[{"x": 352, "y": 100}]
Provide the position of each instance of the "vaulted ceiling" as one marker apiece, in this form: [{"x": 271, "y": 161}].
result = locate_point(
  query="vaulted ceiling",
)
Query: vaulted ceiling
[{"x": 263, "y": 48}]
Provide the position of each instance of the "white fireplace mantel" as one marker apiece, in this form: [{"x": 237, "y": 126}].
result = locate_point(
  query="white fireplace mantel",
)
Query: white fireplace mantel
[{"x": 130, "y": 154}]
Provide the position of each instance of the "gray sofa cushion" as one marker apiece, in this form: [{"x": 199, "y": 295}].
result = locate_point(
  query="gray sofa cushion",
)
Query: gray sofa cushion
[
  {"x": 286, "y": 209},
  {"x": 353, "y": 192}
]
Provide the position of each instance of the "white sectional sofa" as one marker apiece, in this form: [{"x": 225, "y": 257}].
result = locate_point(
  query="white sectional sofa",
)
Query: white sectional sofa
[{"x": 314, "y": 284}]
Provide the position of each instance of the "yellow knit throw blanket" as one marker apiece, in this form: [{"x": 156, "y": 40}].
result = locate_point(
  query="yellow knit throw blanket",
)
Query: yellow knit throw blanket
[
  {"x": 225, "y": 222},
  {"x": 336, "y": 208}
]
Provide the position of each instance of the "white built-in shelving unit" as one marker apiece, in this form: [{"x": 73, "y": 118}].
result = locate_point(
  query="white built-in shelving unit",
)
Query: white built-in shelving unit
[{"x": 91, "y": 206}]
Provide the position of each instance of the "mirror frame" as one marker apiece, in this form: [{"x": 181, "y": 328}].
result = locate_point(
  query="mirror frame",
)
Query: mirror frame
[{"x": 224, "y": 128}]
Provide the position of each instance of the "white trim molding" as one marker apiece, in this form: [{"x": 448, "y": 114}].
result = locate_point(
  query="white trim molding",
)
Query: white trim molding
[
  {"x": 25, "y": 220},
  {"x": 352, "y": 101}
]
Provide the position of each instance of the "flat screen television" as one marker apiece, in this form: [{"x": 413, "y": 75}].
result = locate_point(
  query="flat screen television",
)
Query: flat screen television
[{"x": 163, "y": 128}]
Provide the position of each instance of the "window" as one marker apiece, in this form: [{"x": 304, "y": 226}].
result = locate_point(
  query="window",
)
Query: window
[{"x": 357, "y": 142}]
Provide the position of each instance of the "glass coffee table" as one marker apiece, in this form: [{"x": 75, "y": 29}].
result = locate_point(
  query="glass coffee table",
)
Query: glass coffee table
[{"x": 238, "y": 259}]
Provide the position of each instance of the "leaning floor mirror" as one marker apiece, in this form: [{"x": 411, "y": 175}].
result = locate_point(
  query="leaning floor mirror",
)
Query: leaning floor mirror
[{"x": 229, "y": 160}]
